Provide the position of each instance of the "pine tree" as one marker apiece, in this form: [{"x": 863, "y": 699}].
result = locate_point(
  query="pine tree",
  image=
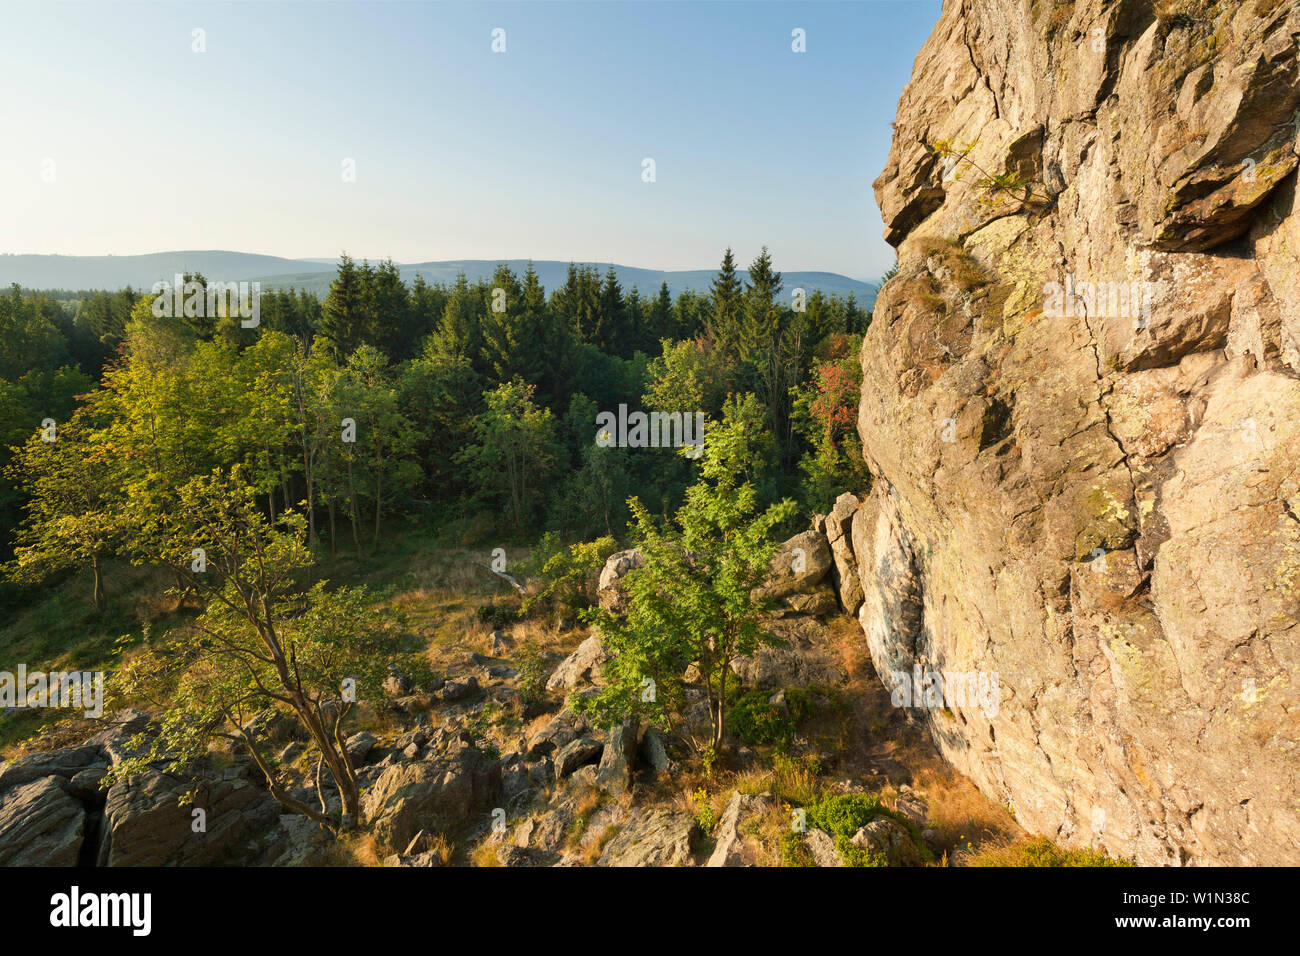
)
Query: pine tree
[
  {"x": 725, "y": 315},
  {"x": 343, "y": 320}
]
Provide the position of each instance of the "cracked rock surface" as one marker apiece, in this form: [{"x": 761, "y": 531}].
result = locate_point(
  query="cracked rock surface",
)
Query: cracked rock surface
[{"x": 1096, "y": 498}]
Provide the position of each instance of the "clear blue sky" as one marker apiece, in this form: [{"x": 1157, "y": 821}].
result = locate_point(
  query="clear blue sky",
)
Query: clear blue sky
[{"x": 460, "y": 153}]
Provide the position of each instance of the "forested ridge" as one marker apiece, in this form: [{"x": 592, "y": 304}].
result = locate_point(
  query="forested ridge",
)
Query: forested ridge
[{"x": 468, "y": 409}]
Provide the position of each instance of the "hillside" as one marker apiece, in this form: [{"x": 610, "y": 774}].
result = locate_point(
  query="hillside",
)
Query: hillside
[{"x": 315, "y": 275}]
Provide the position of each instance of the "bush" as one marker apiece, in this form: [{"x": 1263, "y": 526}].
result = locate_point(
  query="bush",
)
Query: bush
[
  {"x": 756, "y": 720},
  {"x": 843, "y": 815},
  {"x": 533, "y": 674},
  {"x": 497, "y": 615},
  {"x": 568, "y": 574}
]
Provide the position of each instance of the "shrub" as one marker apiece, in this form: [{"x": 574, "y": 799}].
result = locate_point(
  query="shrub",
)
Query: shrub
[
  {"x": 843, "y": 815},
  {"x": 758, "y": 721},
  {"x": 704, "y": 814},
  {"x": 533, "y": 674},
  {"x": 497, "y": 615},
  {"x": 568, "y": 574}
]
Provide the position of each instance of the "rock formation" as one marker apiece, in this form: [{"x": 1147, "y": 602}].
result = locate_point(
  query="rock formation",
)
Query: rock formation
[{"x": 1081, "y": 411}]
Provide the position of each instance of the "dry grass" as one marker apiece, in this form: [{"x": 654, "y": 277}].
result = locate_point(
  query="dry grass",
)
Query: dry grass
[
  {"x": 355, "y": 849},
  {"x": 1036, "y": 852}
]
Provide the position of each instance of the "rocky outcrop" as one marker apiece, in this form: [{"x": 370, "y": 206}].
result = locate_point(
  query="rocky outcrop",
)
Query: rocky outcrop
[
  {"x": 652, "y": 837},
  {"x": 837, "y": 527},
  {"x": 228, "y": 821},
  {"x": 438, "y": 794},
  {"x": 1081, "y": 409},
  {"x": 611, "y": 588},
  {"x": 41, "y": 824}
]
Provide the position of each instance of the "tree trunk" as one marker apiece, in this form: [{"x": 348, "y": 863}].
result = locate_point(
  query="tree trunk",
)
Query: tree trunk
[
  {"x": 352, "y": 498},
  {"x": 101, "y": 601}
]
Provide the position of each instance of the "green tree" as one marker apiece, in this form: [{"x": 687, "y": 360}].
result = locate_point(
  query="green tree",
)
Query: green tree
[
  {"x": 343, "y": 320},
  {"x": 693, "y": 600},
  {"x": 264, "y": 642},
  {"x": 514, "y": 450},
  {"x": 725, "y": 313},
  {"x": 74, "y": 509}
]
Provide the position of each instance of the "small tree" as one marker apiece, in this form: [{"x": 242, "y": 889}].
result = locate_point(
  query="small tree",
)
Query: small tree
[
  {"x": 694, "y": 600},
  {"x": 72, "y": 515},
  {"x": 514, "y": 449},
  {"x": 264, "y": 642}
]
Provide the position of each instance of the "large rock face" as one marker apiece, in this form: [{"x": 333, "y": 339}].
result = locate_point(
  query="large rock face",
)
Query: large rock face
[{"x": 1081, "y": 406}]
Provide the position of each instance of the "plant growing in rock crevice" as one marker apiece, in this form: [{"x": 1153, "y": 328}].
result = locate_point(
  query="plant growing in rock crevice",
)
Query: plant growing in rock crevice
[{"x": 1010, "y": 185}]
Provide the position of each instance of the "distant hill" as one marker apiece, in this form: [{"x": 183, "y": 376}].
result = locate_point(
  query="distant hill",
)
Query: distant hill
[{"x": 314, "y": 275}]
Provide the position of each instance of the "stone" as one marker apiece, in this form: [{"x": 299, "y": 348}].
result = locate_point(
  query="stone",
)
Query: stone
[
  {"x": 804, "y": 656},
  {"x": 611, "y": 586},
  {"x": 510, "y": 855},
  {"x": 562, "y": 729},
  {"x": 798, "y": 567},
  {"x": 397, "y": 685},
  {"x": 41, "y": 824},
  {"x": 888, "y": 838},
  {"x": 458, "y": 690},
  {"x": 579, "y": 668},
  {"x": 435, "y": 795},
  {"x": 359, "y": 746},
  {"x": 653, "y": 750},
  {"x": 822, "y": 847},
  {"x": 730, "y": 847},
  {"x": 618, "y": 758},
  {"x": 575, "y": 754},
  {"x": 652, "y": 837},
  {"x": 145, "y": 823},
  {"x": 66, "y": 763},
  {"x": 837, "y": 526},
  {"x": 912, "y": 806}
]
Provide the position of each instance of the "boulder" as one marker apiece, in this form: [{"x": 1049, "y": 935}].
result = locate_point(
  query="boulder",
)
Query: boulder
[
  {"x": 458, "y": 690},
  {"x": 652, "y": 837},
  {"x": 146, "y": 825},
  {"x": 579, "y": 668},
  {"x": 888, "y": 838},
  {"x": 844, "y": 571},
  {"x": 575, "y": 754},
  {"x": 359, "y": 746},
  {"x": 41, "y": 824},
  {"x": 803, "y": 657},
  {"x": 563, "y": 728},
  {"x": 822, "y": 847},
  {"x": 653, "y": 750},
  {"x": 798, "y": 567},
  {"x": 618, "y": 758},
  {"x": 436, "y": 795},
  {"x": 610, "y": 588},
  {"x": 730, "y": 847},
  {"x": 65, "y": 763}
]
